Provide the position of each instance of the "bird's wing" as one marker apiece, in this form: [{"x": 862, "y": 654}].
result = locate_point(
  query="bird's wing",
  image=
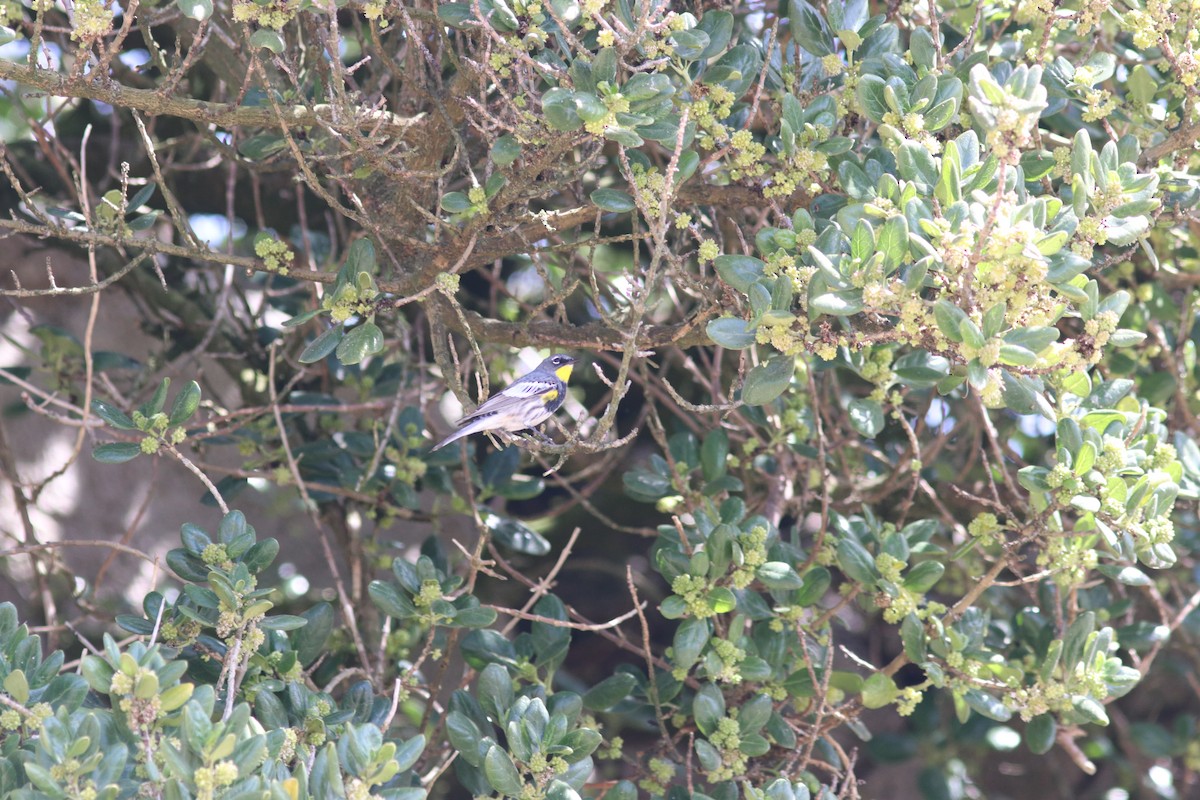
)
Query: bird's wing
[{"x": 512, "y": 396}]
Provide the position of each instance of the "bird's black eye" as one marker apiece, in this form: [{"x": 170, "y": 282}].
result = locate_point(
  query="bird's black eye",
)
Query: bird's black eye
[{"x": 558, "y": 359}]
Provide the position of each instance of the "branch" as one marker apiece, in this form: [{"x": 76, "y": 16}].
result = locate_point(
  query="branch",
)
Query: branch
[
  {"x": 1184, "y": 136},
  {"x": 589, "y": 336},
  {"x": 147, "y": 244},
  {"x": 226, "y": 115}
]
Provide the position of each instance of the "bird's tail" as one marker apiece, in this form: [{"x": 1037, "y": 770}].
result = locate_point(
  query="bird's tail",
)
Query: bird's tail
[{"x": 465, "y": 430}]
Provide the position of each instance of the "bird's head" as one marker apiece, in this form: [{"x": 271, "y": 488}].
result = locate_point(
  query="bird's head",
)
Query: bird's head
[{"x": 561, "y": 365}]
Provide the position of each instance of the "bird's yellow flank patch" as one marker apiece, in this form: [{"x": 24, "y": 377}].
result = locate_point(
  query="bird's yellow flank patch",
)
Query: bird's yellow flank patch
[
  {"x": 550, "y": 396},
  {"x": 564, "y": 373}
]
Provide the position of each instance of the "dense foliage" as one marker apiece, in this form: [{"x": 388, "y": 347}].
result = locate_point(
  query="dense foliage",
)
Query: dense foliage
[{"x": 886, "y": 320}]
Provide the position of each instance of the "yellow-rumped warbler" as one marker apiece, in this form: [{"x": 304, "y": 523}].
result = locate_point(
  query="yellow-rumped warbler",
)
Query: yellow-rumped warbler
[{"x": 526, "y": 403}]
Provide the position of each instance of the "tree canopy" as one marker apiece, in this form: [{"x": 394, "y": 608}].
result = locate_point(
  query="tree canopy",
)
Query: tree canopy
[{"x": 879, "y": 458}]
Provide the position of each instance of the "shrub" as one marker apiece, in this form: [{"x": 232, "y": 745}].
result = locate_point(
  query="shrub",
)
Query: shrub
[{"x": 887, "y": 322}]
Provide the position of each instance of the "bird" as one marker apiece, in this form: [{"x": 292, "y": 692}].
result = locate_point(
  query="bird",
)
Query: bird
[{"x": 525, "y": 403}]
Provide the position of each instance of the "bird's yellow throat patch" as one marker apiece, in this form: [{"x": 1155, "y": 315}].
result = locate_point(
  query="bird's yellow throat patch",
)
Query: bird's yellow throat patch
[{"x": 564, "y": 372}]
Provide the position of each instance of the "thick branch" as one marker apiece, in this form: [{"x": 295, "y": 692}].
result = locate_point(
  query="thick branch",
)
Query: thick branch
[{"x": 1184, "y": 137}]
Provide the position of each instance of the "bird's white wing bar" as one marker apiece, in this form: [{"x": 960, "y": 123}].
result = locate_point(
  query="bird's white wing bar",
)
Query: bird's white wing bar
[{"x": 506, "y": 398}]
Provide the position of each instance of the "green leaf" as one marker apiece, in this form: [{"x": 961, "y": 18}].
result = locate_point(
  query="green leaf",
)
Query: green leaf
[
  {"x": 856, "y": 562},
  {"x": 816, "y": 582},
  {"x": 1153, "y": 739},
  {"x": 1122, "y": 231},
  {"x": 623, "y": 790},
  {"x": 971, "y": 334},
  {"x": 949, "y": 318},
  {"x": 708, "y": 756},
  {"x": 604, "y": 66},
  {"x": 878, "y": 691},
  {"x": 646, "y": 486},
  {"x": 360, "y": 258},
  {"x": 390, "y": 601},
  {"x": 1089, "y": 709},
  {"x": 673, "y": 607},
  {"x": 495, "y": 690},
  {"x": 623, "y": 136},
  {"x": 916, "y": 164},
  {"x": 505, "y": 149},
  {"x": 713, "y": 454},
  {"x": 116, "y": 452},
  {"x": 282, "y": 622},
  {"x": 721, "y": 600},
  {"x": 514, "y": 535},
  {"x": 912, "y": 635},
  {"x": 474, "y": 617},
  {"x": 590, "y": 107},
  {"x": 870, "y": 94},
  {"x": 837, "y": 304},
  {"x": 1040, "y": 733},
  {"x": 257, "y": 148},
  {"x": 923, "y": 576},
  {"x": 1034, "y": 339},
  {"x": 731, "y": 333},
  {"x": 112, "y": 415},
  {"x": 922, "y": 48},
  {"x": 309, "y": 641},
  {"x": 17, "y": 686},
  {"x": 323, "y": 345},
  {"x": 155, "y": 404},
  {"x": 195, "y": 9},
  {"x": 689, "y": 44},
  {"x": 260, "y": 555},
  {"x": 1015, "y": 355},
  {"x": 920, "y": 369},
  {"x": 949, "y": 186},
  {"x": 984, "y": 704},
  {"x": 866, "y": 416},
  {"x": 778, "y": 575},
  {"x": 558, "y": 107},
  {"x": 456, "y": 202},
  {"x": 613, "y": 200},
  {"x": 408, "y": 753},
  {"x": 690, "y": 639},
  {"x": 800, "y": 684},
  {"x": 40, "y": 777},
  {"x": 719, "y": 27},
  {"x": 608, "y": 692},
  {"x": 1141, "y": 84},
  {"x": 361, "y": 342},
  {"x": 740, "y": 272},
  {"x": 268, "y": 38},
  {"x": 810, "y": 29},
  {"x": 708, "y": 708},
  {"x": 1130, "y": 576},
  {"x": 583, "y": 742},
  {"x": 456, "y": 15},
  {"x": 494, "y": 184},
  {"x": 302, "y": 318},
  {"x": 753, "y": 714},
  {"x": 502, "y": 773},
  {"x": 186, "y": 403},
  {"x": 977, "y": 374},
  {"x": 768, "y": 380},
  {"x": 737, "y": 69},
  {"x": 143, "y": 221}
]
